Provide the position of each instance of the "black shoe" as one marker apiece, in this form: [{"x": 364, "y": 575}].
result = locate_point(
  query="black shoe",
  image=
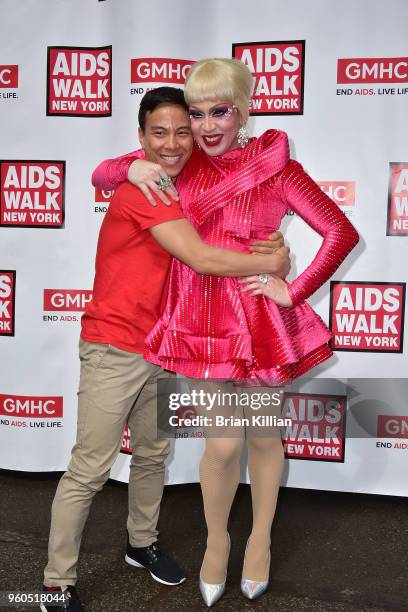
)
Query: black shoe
[
  {"x": 71, "y": 603},
  {"x": 162, "y": 568}
]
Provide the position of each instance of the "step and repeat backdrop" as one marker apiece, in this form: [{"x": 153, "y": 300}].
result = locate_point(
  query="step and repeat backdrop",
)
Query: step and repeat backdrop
[{"x": 334, "y": 76}]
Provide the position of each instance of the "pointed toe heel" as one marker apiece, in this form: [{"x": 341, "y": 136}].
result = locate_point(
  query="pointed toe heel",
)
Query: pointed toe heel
[
  {"x": 252, "y": 589},
  {"x": 211, "y": 593}
]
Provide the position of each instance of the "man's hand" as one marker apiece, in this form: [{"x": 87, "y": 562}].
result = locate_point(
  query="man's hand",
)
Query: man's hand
[
  {"x": 146, "y": 176},
  {"x": 275, "y": 241},
  {"x": 279, "y": 263}
]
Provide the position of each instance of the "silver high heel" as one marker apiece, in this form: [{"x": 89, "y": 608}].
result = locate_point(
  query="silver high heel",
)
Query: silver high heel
[
  {"x": 252, "y": 589},
  {"x": 211, "y": 593}
]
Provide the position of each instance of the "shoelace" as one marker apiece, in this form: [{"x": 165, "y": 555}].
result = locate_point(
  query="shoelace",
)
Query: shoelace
[
  {"x": 68, "y": 596},
  {"x": 154, "y": 553}
]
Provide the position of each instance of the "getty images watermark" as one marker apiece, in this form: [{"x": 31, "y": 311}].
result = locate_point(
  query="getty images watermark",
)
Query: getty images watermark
[
  {"x": 211, "y": 409},
  {"x": 314, "y": 416}
]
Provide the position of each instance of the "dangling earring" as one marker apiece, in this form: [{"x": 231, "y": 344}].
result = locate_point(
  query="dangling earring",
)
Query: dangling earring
[{"x": 243, "y": 136}]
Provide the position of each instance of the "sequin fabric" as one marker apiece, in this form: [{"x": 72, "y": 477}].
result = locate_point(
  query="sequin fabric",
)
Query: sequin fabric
[
  {"x": 209, "y": 328},
  {"x": 111, "y": 172}
]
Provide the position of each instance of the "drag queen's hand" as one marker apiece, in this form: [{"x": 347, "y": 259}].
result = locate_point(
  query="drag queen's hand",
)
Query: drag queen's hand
[
  {"x": 146, "y": 176},
  {"x": 275, "y": 288}
]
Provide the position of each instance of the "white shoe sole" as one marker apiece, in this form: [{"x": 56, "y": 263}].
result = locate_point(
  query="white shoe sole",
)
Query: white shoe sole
[{"x": 136, "y": 564}]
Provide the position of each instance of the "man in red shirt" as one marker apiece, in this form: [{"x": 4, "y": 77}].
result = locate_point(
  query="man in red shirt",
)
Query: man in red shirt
[{"x": 135, "y": 245}]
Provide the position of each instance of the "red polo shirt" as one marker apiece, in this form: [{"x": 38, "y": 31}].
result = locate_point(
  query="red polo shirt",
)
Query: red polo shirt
[{"x": 131, "y": 270}]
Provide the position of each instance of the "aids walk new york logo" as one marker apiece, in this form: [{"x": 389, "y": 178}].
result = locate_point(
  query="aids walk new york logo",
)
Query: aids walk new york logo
[
  {"x": 397, "y": 218},
  {"x": 7, "y": 302},
  {"x": 372, "y": 76},
  {"x": 318, "y": 425},
  {"x": 8, "y": 82},
  {"x": 79, "y": 81},
  {"x": 278, "y": 69},
  {"x": 32, "y": 193},
  {"x": 367, "y": 316}
]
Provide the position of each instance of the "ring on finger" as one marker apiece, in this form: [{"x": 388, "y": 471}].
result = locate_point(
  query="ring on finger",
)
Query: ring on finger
[
  {"x": 164, "y": 183},
  {"x": 263, "y": 278}
]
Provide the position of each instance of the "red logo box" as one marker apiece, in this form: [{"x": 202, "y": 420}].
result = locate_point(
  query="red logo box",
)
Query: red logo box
[
  {"x": 32, "y": 193},
  {"x": 79, "y": 81},
  {"x": 397, "y": 217},
  {"x": 395, "y": 426},
  {"x": 183, "y": 414},
  {"x": 9, "y": 76},
  {"x": 343, "y": 193},
  {"x": 67, "y": 300},
  {"x": 30, "y": 407},
  {"x": 7, "y": 302},
  {"x": 372, "y": 70},
  {"x": 159, "y": 70},
  {"x": 317, "y": 432},
  {"x": 125, "y": 444},
  {"x": 367, "y": 316},
  {"x": 278, "y": 68},
  {"x": 103, "y": 197}
]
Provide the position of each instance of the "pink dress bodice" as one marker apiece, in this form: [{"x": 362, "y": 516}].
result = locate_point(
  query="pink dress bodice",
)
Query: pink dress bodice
[{"x": 210, "y": 328}]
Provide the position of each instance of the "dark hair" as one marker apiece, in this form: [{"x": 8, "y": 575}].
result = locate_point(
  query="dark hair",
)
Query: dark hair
[{"x": 161, "y": 95}]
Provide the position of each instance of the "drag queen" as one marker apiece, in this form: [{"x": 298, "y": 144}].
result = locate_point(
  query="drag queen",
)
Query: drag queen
[{"x": 235, "y": 190}]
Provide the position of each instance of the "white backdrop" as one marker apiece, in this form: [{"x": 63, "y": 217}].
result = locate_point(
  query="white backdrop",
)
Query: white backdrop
[{"x": 353, "y": 126}]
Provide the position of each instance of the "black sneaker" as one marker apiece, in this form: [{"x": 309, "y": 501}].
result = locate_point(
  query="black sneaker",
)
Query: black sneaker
[
  {"x": 162, "y": 568},
  {"x": 71, "y": 603}
]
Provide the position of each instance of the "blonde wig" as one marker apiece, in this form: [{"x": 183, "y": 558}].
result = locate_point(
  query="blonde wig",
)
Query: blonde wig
[{"x": 222, "y": 79}]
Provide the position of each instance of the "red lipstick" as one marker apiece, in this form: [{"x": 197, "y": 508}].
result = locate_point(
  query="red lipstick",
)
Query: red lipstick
[{"x": 212, "y": 141}]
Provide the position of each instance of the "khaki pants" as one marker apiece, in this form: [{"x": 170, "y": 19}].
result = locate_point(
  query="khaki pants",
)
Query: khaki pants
[{"x": 115, "y": 386}]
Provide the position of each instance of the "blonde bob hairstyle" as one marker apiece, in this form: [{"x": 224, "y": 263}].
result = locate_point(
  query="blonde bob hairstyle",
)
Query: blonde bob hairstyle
[{"x": 220, "y": 79}]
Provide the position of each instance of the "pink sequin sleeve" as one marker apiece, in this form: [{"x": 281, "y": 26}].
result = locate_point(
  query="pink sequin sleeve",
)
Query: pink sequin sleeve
[
  {"x": 305, "y": 197},
  {"x": 111, "y": 172}
]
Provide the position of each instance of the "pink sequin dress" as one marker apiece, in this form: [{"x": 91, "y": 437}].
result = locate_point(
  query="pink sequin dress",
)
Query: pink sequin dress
[{"x": 210, "y": 328}]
